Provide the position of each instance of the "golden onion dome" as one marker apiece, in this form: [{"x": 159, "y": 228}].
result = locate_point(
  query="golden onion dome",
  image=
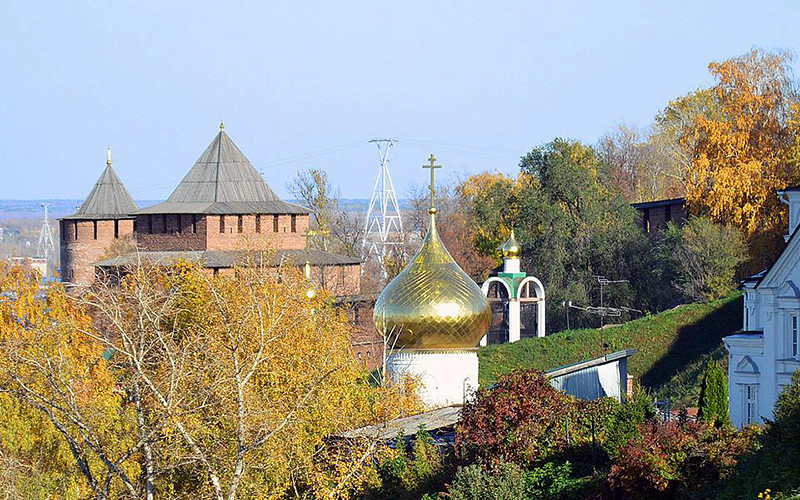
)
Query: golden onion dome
[
  {"x": 432, "y": 303},
  {"x": 511, "y": 249}
]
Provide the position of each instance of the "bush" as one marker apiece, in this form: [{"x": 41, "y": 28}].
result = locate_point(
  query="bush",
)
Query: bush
[
  {"x": 502, "y": 481},
  {"x": 505, "y": 480},
  {"x": 628, "y": 419},
  {"x": 404, "y": 473},
  {"x": 671, "y": 458},
  {"x": 713, "y": 404},
  {"x": 525, "y": 420}
]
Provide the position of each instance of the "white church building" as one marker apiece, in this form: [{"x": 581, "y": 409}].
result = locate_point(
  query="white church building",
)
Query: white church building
[{"x": 763, "y": 356}]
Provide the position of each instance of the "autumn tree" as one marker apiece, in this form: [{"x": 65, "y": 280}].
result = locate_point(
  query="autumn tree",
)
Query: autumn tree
[
  {"x": 64, "y": 420},
  {"x": 339, "y": 230},
  {"x": 741, "y": 147}
]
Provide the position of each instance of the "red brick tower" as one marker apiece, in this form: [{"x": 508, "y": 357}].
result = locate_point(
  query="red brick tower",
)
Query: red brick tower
[{"x": 102, "y": 219}]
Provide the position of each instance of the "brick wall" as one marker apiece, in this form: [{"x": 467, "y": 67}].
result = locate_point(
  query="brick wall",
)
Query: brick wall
[
  {"x": 83, "y": 242},
  {"x": 239, "y": 232},
  {"x": 366, "y": 342},
  {"x": 171, "y": 232},
  {"x": 342, "y": 280}
]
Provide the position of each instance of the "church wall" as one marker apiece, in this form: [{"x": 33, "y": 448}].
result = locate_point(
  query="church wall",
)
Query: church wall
[
  {"x": 93, "y": 240},
  {"x": 231, "y": 235}
]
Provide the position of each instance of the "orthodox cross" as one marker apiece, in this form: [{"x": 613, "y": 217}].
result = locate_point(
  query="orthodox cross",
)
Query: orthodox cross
[{"x": 432, "y": 165}]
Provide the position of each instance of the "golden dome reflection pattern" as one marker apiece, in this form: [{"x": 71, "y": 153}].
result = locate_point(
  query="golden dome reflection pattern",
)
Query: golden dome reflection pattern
[
  {"x": 432, "y": 304},
  {"x": 511, "y": 249}
]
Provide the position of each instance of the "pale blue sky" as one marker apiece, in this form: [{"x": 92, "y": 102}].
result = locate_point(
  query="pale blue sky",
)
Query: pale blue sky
[{"x": 306, "y": 84}]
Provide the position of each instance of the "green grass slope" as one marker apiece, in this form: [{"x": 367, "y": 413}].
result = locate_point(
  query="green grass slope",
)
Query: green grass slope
[{"x": 669, "y": 344}]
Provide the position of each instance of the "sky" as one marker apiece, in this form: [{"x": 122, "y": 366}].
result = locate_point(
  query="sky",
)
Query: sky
[{"x": 307, "y": 84}]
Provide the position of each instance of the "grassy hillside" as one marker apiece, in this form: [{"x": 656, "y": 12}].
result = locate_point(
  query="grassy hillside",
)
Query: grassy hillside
[{"x": 672, "y": 346}]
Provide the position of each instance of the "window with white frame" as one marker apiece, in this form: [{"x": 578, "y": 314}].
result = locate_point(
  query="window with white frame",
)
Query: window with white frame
[
  {"x": 751, "y": 403},
  {"x": 794, "y": 336}
]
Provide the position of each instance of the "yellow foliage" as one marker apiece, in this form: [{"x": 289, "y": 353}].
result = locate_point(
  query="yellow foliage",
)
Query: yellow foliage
[{"x": 743, "y": 148}]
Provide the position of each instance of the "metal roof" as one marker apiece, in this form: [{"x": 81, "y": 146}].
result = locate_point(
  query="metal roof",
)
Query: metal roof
[
  {"x": 108, "y": 200},
  {"x": 582, "y": 365},
  {"x": 229, "y": 258},
  {"x": 223, "y": 181}
]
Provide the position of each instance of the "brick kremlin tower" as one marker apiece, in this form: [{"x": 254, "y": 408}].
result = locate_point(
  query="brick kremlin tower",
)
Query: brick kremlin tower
[{"x": 102, "y": 219}]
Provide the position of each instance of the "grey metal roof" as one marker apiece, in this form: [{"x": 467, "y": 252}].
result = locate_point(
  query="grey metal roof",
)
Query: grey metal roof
[
  {"x": 229, "y": 258},
  {"x": 108, "y": 200},
  {"x": 582, "y": 365},
  {"x": 223, "y": 181}
]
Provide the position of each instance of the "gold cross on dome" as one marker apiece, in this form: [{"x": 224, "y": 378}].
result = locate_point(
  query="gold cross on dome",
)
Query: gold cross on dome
[{"x": 432, "y": 165}]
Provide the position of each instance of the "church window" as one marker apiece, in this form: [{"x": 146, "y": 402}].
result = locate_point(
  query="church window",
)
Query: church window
[
  {"x": 667, "y": 214},
  {"x": 194, "y": 223},
  {"x": 369, "y": 354},
  {"x": 94, "y": 228},
  {"x": 360, "y": 355},
  {"x": 793, "y": 337},
  {"x": 274, "y": 223},
  {"x": 751, "y": 403},
  {"x": 221, "y": 223},
  {"x": 180, "y": 223},
  {"x": 116, "y": 229},
  {"x": 258, "y": 223},
  {"x": 294, "y": 223},
  {"x": 240, "y": 223},
  {"x": 164, "y": 223},
  {"x": 75, "y": 225},
  {"x": 150, "y": 224}
]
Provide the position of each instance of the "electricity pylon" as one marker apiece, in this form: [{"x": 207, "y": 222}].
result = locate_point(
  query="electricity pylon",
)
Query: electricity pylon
[
  {"x": 383, "y": 216},
  {"x": 46, "y": 248}
]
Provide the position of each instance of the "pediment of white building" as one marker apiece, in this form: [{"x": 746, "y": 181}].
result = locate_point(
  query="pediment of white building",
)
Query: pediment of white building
[
  {"x": 786, "y": 268},
  {"x": 747, "y": 365}
]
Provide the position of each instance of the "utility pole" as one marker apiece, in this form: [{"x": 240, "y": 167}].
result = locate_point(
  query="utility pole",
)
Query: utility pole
[
  {"x": 46, "y": 247},
  {"x": 383, "y": 216}
]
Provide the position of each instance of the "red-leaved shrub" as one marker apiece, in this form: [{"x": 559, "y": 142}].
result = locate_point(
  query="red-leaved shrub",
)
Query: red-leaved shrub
[
  {"x": 671, "y": 457},
  {"x": 523, "y": 419}
]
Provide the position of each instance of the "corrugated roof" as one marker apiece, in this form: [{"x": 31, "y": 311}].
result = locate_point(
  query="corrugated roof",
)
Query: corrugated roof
[
  {"x": 229, "y": 258},
  {"x": 223, "y": 181},
  {"x": 108, "y": 200}
]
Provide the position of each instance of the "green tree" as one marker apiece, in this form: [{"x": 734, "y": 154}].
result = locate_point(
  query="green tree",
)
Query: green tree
[
  {"x": 702, "y": 258},
  {"x": 713, "y": 404},
  {"x": 573, "y": 224}
]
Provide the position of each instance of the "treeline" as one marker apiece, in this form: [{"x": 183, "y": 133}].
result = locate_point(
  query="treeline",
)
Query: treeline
[{"x": 727, "y": 149}]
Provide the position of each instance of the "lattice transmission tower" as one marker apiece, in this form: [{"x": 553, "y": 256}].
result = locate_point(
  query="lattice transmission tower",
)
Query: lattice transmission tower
[
  {"x": 46, "y": 248},
  {"x": 383, "y": 227}
]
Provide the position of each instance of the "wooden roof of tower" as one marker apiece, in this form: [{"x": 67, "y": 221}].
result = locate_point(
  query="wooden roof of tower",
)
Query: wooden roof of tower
[
  {"x": 223, "y": 181},
  {"x": 108, "y": 200}
]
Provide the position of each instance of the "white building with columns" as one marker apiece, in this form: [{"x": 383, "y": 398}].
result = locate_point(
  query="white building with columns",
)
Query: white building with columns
[
  {"x": 763, "y": 356},
  {"x": 513, "y": 289}
]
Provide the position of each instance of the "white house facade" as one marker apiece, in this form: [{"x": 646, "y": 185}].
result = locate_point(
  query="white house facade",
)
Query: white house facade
[{"x": 763, "y": 356}]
